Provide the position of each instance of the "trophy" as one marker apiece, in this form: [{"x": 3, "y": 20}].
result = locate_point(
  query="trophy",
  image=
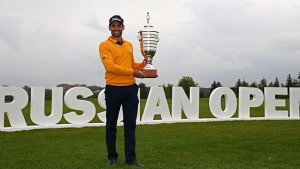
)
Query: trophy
[{"x": 148, "y": 38}]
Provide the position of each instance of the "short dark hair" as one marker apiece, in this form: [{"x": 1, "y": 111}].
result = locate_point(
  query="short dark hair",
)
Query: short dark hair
[{"x": 116, "y": 18}]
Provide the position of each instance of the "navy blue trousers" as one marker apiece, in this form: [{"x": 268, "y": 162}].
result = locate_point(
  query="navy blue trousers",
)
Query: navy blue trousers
[{"x": 115, "y": 96}]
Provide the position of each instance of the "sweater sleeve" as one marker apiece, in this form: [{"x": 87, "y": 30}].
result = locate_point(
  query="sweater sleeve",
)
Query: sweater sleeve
[
  {"x": 136, "y": 65},
  {"x": 109, "y": 65}
]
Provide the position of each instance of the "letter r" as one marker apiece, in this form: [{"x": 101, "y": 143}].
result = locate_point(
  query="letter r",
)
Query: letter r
[{"x": 13, "y": 108}]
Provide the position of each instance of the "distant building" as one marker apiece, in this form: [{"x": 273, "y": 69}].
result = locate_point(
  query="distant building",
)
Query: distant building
[{"x": 66, "y": 86}]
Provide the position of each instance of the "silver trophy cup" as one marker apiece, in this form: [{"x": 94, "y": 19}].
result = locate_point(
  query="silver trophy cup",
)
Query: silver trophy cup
[{"x": 148, "y": 38}]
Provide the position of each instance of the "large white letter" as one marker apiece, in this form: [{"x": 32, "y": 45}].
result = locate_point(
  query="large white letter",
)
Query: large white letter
[
  {"x": 271, "y": 103},
  {"x": 180, "y": 102},
  {"x": 37, "y": 108},
  {"x": 294, "y": 102},
  {"x": 87, "y": 107},
  {"x": 215, "y": 103},
  {"x": 156, "y": 104},
  {"x": 13, "y": 108},
  {"x": 245, "y": 101}
]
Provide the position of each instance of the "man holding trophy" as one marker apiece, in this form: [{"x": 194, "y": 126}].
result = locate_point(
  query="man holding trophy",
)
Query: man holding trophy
[{"x": 121, "y": 90}]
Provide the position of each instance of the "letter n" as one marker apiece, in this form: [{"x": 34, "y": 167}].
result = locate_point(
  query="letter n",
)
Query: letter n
[{"x": 180, "y": 102}]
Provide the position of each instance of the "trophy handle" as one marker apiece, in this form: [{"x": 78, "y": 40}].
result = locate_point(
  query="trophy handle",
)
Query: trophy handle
[{"x": 140, "y": 38}]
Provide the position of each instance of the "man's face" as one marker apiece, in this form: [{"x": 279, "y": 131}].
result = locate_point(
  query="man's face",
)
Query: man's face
[{"x": 116, "y": 29}]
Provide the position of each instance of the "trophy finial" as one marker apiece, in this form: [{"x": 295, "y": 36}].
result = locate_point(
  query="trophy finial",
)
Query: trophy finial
[{"x": 148, "y": 17}]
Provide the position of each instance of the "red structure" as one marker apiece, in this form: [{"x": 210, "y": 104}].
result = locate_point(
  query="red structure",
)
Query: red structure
[{"x": 66, "y": 86}]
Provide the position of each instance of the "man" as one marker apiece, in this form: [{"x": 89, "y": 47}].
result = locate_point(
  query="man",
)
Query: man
[{"x": 121, "y": 90}]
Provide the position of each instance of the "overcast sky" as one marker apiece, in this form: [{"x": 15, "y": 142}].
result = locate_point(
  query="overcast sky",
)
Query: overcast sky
[{"x": 48, "y": 42}]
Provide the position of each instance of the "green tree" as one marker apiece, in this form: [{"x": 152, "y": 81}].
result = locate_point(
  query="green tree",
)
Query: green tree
[
  {"x": 254, "y": 84},
  {"x": 144, "y": 90},
  {"x": 289, "y": 81},
  {"x": 276, "y": 83},
  {"x": 295, "y": 81},
  {"x": 262, "y": 84},
  {"x": 186, "y": 82},
  {"x": 236, "y": 87},
  {"x": 244, "y": 83},
  {"x": 168, "y": 90},
  {"x": 271, "y": 84},
  {"x": 215, "y": 85},
  {"x": 238, "y": 83}
]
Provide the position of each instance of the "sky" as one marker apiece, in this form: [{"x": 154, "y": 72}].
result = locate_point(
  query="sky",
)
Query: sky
[{"x": 49, "y": 42}]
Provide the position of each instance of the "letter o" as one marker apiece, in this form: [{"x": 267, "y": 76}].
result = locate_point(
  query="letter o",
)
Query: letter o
[{"x": 230, "y": 103}]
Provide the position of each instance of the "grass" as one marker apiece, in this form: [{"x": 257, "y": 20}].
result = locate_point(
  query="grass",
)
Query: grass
[{"x": 225, "y": 145}]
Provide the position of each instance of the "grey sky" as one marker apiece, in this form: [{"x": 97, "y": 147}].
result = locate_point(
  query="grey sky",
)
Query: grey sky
[{"x": 45, "y": 43}]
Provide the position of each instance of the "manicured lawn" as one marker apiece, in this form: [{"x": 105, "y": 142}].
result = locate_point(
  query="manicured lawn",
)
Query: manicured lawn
[{"x": 228, "y": 145}]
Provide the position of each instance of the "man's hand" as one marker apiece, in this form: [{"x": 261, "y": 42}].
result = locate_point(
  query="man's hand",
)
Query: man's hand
[
  {"x": 138, "y": 73},
  {"x": 145, "y": 62}
]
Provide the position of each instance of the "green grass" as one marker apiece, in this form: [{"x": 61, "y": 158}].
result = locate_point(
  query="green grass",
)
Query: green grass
[{"x": 220, "y": 145}]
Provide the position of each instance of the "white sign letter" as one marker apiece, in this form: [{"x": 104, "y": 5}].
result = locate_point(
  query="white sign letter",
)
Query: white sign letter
[
  {"x": 87, "y": 107},
  {"x": 37, "y": 108},
  {"x": 294, "y": 102},
  {"x": 156, "y": 104},
  {"x": 180, "y": 102},
  {"x": 271, "y": 103},
  {"x": 13, "y": 108},
  {"x": 215, "y": 103},
  {"x": 245, "y": 101}
]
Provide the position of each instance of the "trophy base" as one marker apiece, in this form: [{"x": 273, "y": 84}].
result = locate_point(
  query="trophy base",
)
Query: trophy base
[{"x": 150, "y": 73}]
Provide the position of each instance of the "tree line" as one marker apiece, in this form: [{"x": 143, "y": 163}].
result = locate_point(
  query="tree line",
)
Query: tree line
[{"x": 186, "y": 82}]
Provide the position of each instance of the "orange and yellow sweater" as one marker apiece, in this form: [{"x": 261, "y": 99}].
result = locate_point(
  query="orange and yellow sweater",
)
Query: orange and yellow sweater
[{"x": 118, "y": 61}]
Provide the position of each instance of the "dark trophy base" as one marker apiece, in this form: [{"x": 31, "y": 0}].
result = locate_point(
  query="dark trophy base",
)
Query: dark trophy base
[{"x": 150, "y": 73}]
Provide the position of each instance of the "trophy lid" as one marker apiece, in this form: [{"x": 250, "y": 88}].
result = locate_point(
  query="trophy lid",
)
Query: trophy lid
[{"x": 148, "y": 27}]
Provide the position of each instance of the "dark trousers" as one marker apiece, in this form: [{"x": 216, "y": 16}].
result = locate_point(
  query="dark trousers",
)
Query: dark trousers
[{"x": 115, "y": 96}]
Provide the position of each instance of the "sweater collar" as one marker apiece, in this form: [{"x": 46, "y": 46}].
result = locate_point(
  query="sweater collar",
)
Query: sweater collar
[{"x": 115, "y": 41}]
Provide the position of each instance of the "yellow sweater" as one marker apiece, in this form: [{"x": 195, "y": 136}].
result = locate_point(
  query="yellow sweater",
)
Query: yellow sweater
[{"x": 118, "y": 62}]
